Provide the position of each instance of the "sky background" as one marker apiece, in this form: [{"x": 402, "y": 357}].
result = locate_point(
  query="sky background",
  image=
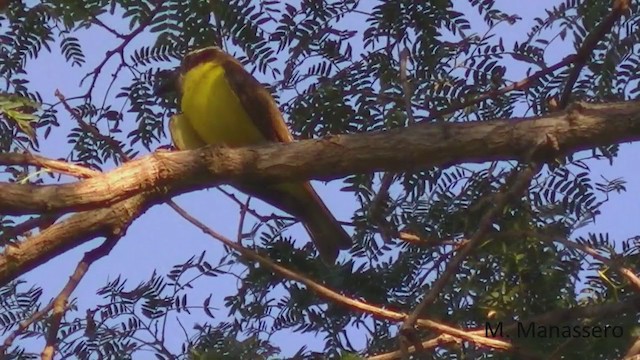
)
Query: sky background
[{"x": 160, "y": 238}]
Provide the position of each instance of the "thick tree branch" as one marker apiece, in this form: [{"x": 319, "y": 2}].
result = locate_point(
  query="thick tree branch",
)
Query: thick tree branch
[
  {"x": 582, "y": 127},
  {"x": 20, "y": 258}
]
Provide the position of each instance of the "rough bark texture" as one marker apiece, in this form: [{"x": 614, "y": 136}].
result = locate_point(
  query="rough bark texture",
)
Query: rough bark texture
[{"x": 583, "y": 126}]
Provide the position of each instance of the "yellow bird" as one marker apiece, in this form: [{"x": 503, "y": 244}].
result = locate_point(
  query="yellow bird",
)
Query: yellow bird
[{"x": 223, "y": 104}]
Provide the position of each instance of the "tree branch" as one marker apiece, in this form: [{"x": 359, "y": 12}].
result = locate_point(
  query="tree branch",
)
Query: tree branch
[
  {"x": 583, "y": 126},
  {"x": 59, "y": 304},
  {"x": 58, "y": 166},
  {"x": 589, "y": 44},
  {"x": 20, "y": 258}
]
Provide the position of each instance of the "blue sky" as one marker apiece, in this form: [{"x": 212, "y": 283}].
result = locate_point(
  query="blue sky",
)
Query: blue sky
[{"x": 160, "y": 238}]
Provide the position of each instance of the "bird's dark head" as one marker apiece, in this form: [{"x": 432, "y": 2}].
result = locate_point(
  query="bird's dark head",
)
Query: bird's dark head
[
  {"x": 169, "y": 82},
  {"x": 208, "y": 54},
  {"x": 166, "y": 85}
]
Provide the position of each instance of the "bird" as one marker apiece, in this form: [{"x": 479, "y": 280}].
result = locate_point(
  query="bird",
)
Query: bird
[{"x": 223, "y": 104}]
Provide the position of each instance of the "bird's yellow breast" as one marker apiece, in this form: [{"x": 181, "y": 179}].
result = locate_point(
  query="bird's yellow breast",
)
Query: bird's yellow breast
[{"x": 214, "y": 110}]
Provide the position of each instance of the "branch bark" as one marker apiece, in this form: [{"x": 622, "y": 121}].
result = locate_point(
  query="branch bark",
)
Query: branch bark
[
  {"x": 581, "y": 127},
  {"x": 20, "y": 258}
]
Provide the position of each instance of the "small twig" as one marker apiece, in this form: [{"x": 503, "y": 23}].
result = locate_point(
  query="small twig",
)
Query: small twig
[
  {"x": 377, "y": 206},
  {"x": 407, "y": 92},
  {"x": 57, "y": 166},
  {"x": 113, "y": 143},
  {"x": 99, "y": 22},
  {"x": 443, "y": 339},
  {"x": 520, "y": 85},
  {"x": 243, "y": 213},
  {"x": 186, "y": 334},
  {"x": 320, "y": 289},
  {"x": 119, "y": 49},
  {"x": 416, "y": 240},
  {"x": 626, "y": 272},
  {"x": 24, "y": 325},
  {"x": 42, "y": 222},
  {"x": 589, "y": 44},
  {"x": 261, "y": 218},
  {"x": 60, "y": 302}
]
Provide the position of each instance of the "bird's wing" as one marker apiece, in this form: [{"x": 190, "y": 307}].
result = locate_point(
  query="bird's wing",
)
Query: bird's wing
[
  {"x": 183, "y": 136},
  {"x": 257, "y": 102}
]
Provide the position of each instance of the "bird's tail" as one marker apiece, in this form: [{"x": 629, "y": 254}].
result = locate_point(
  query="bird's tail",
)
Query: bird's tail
[
  {"x": 326, "y": 232},
  {"x": 301, "y": 201}
]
